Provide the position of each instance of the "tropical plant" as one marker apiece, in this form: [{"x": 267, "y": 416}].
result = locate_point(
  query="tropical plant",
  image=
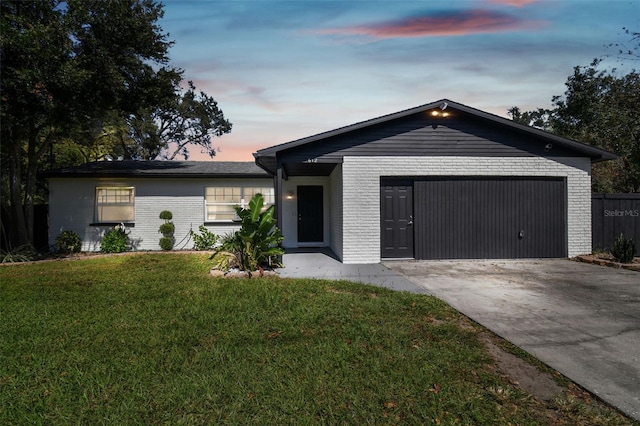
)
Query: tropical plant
[
  {"x": 167, "y": 229},
  {"x": 68, "y": 242},
  {"x": 114, "y": 240},
  {"x": 224, "y": 260},
  {"x": 205, "y": 240},
  {"x": 623, "y": 249},
  {"x": 258, "y": 242},
  {"x": 24, "y": 253}
]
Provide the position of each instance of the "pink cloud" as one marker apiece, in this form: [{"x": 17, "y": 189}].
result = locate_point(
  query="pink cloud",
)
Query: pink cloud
[
  {"x": 515, "y": 3},
  {"x": 441, "y": 24}
]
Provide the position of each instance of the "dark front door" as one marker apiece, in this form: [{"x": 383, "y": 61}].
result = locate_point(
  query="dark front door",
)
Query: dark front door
[
  {"x": 396, "y": 199},
  {"x": 310, "y": 216}
]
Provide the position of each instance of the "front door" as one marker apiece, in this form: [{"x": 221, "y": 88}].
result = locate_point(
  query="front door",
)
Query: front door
[
  {"x": 396, "y": 211},
  {"x": 310, "y": 214}
]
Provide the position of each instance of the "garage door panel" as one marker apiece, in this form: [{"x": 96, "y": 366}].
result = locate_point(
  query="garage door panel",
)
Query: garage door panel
[{"x": 468, "y": 218}]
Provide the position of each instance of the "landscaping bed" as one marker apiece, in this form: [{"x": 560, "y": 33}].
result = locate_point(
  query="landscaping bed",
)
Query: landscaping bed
[{"x": 606, "y": 259}]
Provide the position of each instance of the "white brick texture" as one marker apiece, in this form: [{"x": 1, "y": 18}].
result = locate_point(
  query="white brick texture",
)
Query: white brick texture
[
  {"x": 361, "y": 193},
  {"x": 71, "y": 207}
]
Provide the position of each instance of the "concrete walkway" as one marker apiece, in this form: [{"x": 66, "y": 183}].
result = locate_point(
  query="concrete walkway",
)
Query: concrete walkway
[
  {"x": 324, "y": 265},
  {"x": 582, "y": 320}
]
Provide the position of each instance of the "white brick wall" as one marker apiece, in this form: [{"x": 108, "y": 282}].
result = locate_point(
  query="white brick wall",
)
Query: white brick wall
[
  {"x": 71, "y": 207},
  {"x": 361, "y": 193}
]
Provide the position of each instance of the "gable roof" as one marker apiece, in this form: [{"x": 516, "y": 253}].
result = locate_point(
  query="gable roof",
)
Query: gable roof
[
  {"x": 158, "y": 168},
  {"x": 266, "y": 158}
]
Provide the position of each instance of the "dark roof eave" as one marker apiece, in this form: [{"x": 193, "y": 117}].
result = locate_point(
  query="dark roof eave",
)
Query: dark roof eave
[
  {"x": 152, "y": 175},
  {"x": 261, "y": 161},
  {"x": 159, "y": 169},
  {"x": 594, "y": 153}
]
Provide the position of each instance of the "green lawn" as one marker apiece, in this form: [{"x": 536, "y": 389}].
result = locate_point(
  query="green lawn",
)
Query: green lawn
[{"x": 151, "y": 338}]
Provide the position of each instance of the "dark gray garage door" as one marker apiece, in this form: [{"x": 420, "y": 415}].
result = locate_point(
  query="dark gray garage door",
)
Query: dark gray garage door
[{"x": 488, "y": 218}]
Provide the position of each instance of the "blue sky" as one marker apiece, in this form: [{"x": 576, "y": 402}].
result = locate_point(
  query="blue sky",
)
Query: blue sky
[{"x": 282, "y": 70}]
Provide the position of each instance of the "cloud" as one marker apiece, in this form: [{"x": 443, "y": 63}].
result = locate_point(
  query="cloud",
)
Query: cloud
[
  {"x": 449, "y": 23},
  {"x": 515, "y": 3}
]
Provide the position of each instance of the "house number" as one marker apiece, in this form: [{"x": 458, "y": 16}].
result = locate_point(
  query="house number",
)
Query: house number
[{"x": 312, "y": 160}]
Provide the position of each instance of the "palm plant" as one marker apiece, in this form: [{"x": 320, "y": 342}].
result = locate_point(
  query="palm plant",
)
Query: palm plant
[{"x": 258, "y": 242}]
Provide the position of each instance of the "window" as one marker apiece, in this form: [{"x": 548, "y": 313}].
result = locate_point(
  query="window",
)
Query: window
[
  {"x": 115, "y": 204},
  {"x": 219, "y": 201}
]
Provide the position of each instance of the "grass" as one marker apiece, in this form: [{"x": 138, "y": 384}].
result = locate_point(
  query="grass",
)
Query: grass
[{"x": 152, "y": 339}]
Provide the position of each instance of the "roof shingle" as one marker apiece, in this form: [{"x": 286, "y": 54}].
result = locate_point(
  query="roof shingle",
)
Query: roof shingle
[{"x": 156, "y": 168}]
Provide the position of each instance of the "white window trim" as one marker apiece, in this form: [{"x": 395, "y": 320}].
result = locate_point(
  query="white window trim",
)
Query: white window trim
[
  {"x": 97, "y": 205},
  {"x": 243, "y": 201}
]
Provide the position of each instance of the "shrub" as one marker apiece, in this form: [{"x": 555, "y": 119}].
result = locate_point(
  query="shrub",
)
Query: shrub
[
  {"x": 206, "y": 240},
  {"x": 68, "y": 242},
  {"x": 167, "y": 229},
  {"x": 114, "y": 240},
  {"x": 623, "y": 249},
  {"x": 166, "y": 243},
  {"x": 258, "y": 241}
]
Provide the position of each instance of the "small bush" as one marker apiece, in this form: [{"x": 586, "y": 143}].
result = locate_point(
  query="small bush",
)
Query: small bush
[
  {"x": 166, "y": 243},
  {"x": 167, "y": 229},
  {"x": 623, "y": 249},
  {"x": 206, "y": 240},
  {"x": 114, "y": 241},
  {"x": 68, "y": 242}
]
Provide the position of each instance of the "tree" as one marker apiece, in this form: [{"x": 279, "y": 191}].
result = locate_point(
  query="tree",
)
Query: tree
[
  {"x": 185, "y": 120},
  {"x": 629, "y": 51},
  {"x": 70, "y": 70},
  {"x": 601, "y": 108}
]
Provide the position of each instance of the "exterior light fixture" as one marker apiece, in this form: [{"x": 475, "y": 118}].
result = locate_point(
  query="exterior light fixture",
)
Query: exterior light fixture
[
  {"x": 437, "y": 113},
  {"x": 290, "y": 195}
]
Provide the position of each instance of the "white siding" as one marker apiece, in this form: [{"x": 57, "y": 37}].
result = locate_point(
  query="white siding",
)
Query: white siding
[
  {"x": 361, "y": 193},
  {"x": 71, "y": 207}
]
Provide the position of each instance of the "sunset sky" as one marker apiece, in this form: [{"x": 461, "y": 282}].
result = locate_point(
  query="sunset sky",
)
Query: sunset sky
[{"x": 282, "y": 70}]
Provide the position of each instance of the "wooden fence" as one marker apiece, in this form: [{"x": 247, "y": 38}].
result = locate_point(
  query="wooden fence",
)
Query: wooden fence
[{"x": 613, "y": 214}]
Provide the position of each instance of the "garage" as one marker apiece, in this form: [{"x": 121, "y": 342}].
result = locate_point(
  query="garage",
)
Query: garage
[
  {"x": 439, "y": 181},
  {"x": 473, "y": 217}
]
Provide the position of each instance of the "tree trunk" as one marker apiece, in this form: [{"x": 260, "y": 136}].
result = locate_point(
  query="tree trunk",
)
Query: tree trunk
[
  {"x": 33, "y": 155},
  {"x": 17, "y": 219}
]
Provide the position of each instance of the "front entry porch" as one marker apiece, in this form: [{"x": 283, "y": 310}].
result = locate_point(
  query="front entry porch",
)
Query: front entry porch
[{"x": 308, "y": 215}]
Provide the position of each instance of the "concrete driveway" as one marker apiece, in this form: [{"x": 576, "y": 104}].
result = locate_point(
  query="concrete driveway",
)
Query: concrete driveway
[{"x": 583, "y": 320}]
